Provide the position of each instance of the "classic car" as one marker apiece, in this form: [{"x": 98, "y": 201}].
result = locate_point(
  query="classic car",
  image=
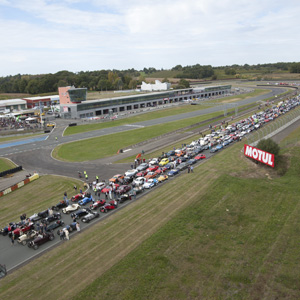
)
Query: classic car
[
  {"x": 70, "y": 208},
  {"x": 141, "y": 174},
  {"x": 55, "y": 225},
  {"x": 77, "y": 197},
  {"x": 138, "y": 181},
  {"x": 162, "y": 178},
  {"x": 97, "y": 204},
  {"x": 123, "y": 189},
  {"x": 152, "y": 169},
  {"x": 40, "y": 240},
  {"x": 80, "y": 213},
  {"x": 131, "y": 173},
  {"x": 142, "y": 167},
  {"x": 123, "y": 198},
  {"x": 21, "y": 230},
  {"x": 116, "y": 178},
  {"x": 109, "y": 206},
  {"x": 61, "y": 204},
  {"x": 200, "y": 156},
  {"x": 173, "y": 172},
  {"x": 150, "y": 175},
  {"x": 90, "y": 216},
  {"x": 87, "y": 199},
  {"x": 163, "y": 162},
  {"x": 24, "y": 238},
  {"x": 7, "y": 229},
  {"x": 150, "y": 183},
  {"x": 71, "y": 227},
  {"x": 41, "y": 215},
  {"x": 53, "y": 217}
]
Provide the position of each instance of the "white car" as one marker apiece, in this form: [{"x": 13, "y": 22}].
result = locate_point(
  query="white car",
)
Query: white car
[
  {"x": 70, "y": 208},
  {"x": 131, "y": 173},
  {"x": 27, "y": 236},
  {"x": 100, "y": 185},
  {"x": 150, "y": 183},
  {"x": 139, "y": 181},
  {"x": 154, "y": 161}
]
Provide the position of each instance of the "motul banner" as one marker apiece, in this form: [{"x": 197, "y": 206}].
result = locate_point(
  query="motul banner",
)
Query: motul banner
[{"x": 259, "y": 155}]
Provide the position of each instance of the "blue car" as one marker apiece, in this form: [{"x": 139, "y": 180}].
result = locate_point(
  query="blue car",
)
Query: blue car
[
  {"x": 219, "y": 147},
  {"x": 173, "y": 172},
  {"x": 86, "y": 200}
]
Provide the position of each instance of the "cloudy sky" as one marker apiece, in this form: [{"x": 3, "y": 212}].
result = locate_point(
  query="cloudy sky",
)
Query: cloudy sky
[{"x": 47, "y": 36}]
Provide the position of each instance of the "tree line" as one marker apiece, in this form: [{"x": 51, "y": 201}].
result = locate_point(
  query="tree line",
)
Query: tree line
[{"x": 123, "y": 79}]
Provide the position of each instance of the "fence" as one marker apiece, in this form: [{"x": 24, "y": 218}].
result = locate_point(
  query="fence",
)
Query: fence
[{"x": 274, "y": 127}]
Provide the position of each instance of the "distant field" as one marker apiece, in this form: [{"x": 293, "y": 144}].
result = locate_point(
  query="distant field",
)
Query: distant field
[
  {"x": 6, "y": 164},
  {"x": 227, "y": 231}
]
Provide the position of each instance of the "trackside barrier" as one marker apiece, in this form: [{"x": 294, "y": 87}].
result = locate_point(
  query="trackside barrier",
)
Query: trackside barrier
[
  {"x": 20, "y": 184},
  {"x": 11, "y": 171},
  {"x": 72, "y": 124}
]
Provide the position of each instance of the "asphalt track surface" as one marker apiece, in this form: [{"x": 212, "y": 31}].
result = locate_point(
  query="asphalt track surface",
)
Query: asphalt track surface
[{"x": 35, "y": 155}]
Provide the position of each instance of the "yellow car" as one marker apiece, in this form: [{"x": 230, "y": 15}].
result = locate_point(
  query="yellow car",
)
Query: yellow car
[
  {"x": 50, "y": 125},
  {"x": 163, "y": 162},
  {"x": 162, "y": 178}
]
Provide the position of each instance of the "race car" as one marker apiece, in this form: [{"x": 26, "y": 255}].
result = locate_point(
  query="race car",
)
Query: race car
[
  {"x": 88, "y": 198},
  {"x": 90, "y": 216},
  {"x": 162, "y": 178},
  {"x": 97, "y": 204},
  {"x": 77, "y": 197},
  {"x": 41, "y": 239},
  {"x": 24, "y": 238},
  {"x": 70, "y": 208},
  {"x": 109, "y": 206}
]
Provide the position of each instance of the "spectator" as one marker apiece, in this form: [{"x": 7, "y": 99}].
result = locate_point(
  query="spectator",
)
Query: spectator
[{"x": 77, "y": 227}]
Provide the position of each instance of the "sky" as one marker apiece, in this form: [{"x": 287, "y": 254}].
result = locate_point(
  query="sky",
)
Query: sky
[{"x": 47, "y": 36}]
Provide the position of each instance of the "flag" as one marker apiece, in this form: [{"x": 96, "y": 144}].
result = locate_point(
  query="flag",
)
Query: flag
[{"x": 139, "y": 155}]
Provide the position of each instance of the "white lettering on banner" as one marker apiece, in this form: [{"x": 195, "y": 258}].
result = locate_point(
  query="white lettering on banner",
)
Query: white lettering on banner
[
  {"x": 270, "y": 163},
  {"x": 260, "y": 155},
  {"x": 254, "y": 153},
  {"x": 248, "y": 151}
]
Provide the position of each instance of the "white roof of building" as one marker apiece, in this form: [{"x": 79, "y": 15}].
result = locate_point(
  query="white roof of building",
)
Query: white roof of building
[
  {"x": 53, "y": 97},
  {"x": 12, "y": 102}
]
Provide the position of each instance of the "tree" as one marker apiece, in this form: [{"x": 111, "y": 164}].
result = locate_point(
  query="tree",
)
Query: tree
[{"x": 270, "y": 146}]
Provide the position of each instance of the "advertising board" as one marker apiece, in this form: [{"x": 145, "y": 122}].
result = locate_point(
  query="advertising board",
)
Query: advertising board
[{"x": 259, "y": 155}]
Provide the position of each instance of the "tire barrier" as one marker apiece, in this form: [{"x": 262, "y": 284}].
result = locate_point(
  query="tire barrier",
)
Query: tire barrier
[
  {"x": 20, "y": 184},
  {"x": 47, "y": 131},
  {"x": 11, "y": 171},
  {"x": 72, "y": 124}
]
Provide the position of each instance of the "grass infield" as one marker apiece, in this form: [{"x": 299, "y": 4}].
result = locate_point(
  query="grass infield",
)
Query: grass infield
[{"x": 6, "y": 164}]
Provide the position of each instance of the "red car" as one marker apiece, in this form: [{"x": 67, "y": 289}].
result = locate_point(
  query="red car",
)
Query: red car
[
  {"x": 200, "y": 156},
  {"x": 109, "y": 188},
  {"x": 109, "y": 206},
  {"x": 152, "y": 169},
  {"x": 150, "y": 175},
  {"x": 97, "y": 204},
  {"x": 123, "y": 189},
  {"x": 164, "y": 169},
  {"x": 20, "y": 230},
  {"x": 159, "y": 171},
  {"x": 141, "y": 174},
  {"x": 77, "y": 197}
]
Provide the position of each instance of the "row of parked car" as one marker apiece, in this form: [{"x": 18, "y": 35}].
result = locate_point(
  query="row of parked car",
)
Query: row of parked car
[{"x": 134, "y": 181}]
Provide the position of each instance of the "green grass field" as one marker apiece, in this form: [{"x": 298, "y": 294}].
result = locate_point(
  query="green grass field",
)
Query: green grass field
[
  {"x": 6, "y": 164},
  {"x": 105, "y": 146},
  {"x": 227, "y": 231}
]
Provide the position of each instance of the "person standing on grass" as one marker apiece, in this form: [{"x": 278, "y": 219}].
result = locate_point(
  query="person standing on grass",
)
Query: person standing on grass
[{"x": 192, "y": 169}]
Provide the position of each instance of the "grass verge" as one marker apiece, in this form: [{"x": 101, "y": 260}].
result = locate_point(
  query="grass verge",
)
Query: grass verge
[{"x": 6, "y": 164}]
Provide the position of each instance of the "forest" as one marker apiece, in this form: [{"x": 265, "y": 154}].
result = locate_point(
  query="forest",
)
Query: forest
[{"x": 129, "y": 79}]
